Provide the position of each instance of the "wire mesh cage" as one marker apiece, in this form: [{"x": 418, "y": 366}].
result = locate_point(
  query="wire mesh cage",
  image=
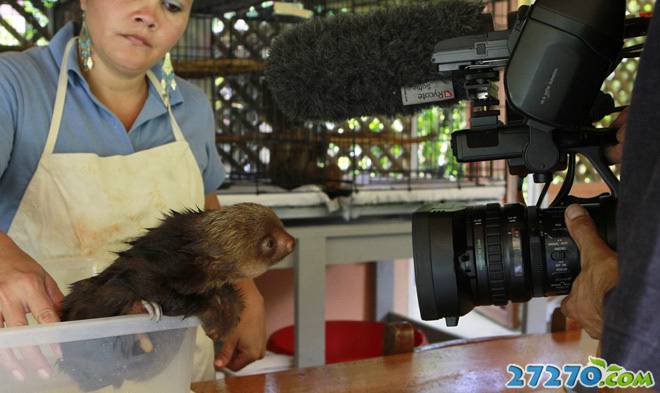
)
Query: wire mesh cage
[
  {"x": 224, "y": 53},
  {"x": 224, "y": 50},
  {"x": 24, "y": 24}
]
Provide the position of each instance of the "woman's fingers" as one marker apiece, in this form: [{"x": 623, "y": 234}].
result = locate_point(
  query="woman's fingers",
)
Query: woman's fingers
[{"x": 10, "y": 363}]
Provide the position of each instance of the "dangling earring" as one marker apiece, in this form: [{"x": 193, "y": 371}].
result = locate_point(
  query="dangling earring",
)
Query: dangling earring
[
  {"x": 85, "y": 47},
  {"x": 167, "y": 81}
]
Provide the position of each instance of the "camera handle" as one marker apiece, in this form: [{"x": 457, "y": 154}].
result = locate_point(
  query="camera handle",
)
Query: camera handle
[
  {"x": 589, "y": 142},
  {"x": 595, "y": 155},
  {"x": 542, "y": 151}
]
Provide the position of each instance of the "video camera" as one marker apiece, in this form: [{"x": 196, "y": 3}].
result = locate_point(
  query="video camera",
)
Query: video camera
[{"x": 555, "y": 60}]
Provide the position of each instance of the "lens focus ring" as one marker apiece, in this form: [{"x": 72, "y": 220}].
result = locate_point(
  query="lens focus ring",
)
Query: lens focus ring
[{"x": 494, "y": 254}]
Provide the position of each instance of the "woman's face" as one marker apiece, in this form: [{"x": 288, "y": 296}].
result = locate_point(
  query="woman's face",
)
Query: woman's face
[{"x": 133, "y": 35}]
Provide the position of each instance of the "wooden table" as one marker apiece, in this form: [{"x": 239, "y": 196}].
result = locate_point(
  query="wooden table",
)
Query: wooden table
[{"x": 467, "y": 366}]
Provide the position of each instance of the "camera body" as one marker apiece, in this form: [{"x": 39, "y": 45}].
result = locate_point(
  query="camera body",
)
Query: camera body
[{"x": 555, "y": 60}]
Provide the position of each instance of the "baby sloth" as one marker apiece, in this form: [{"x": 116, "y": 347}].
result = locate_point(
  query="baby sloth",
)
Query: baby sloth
[{"x": 188, "y": 265}]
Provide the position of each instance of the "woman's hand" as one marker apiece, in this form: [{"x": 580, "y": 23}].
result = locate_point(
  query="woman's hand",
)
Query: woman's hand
[
  {"x": 599, "y": 273},
  {"x": 247, "y": 342},
  {"x": 25, "y": 287}
]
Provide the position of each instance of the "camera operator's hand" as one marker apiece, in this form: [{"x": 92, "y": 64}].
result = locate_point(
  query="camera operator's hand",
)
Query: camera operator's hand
[
  {"x": 614, "y": 153},
  {"x": 599, "y": 272}
]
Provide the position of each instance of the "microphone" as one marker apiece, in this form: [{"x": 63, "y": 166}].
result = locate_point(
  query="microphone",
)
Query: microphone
[{"x": 376, "y": 63}]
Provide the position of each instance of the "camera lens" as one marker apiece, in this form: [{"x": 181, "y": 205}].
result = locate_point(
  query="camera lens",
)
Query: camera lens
[{"x": 484, "y": 255}]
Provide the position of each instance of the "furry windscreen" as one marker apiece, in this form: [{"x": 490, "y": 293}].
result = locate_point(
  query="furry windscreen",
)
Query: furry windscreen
[{"x": 352, "y": 65}]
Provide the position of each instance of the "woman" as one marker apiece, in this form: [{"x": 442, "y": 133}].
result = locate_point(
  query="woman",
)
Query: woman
[{"x": 119, "y": 145}]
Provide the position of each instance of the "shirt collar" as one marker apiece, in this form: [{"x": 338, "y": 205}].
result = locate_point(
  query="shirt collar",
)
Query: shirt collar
[{"x": 58, "y": 44}]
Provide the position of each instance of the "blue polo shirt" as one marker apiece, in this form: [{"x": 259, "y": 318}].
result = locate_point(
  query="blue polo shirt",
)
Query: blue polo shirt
[{"x": 28, "y": 83}]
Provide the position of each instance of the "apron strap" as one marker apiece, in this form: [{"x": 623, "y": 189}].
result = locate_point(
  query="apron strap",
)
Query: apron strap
[
  {"x": 60, "y": 97},
  {"x": 178, "y": 135}
]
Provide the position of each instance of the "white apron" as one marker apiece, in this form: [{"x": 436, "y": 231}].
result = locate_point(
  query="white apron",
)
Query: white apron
[{"x": 82, "y": 206}]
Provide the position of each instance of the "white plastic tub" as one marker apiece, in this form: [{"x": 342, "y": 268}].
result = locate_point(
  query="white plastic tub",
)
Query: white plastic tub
[{"x": 102, "y": 355}]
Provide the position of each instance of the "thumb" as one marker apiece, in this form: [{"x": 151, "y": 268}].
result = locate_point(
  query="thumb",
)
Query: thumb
[
  {"x": 226, "y": 352},
  {"x": 582, "y": 228},
  {"x": 54, "y": 292},
  {"x": 565, "y": 309}
]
